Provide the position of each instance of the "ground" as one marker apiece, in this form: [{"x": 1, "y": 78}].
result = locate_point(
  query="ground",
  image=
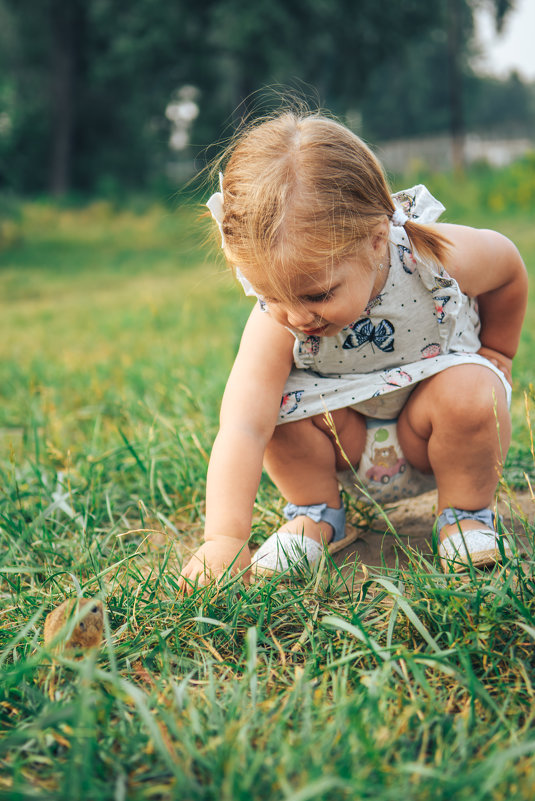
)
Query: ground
[{"x": 413, "y": 520}]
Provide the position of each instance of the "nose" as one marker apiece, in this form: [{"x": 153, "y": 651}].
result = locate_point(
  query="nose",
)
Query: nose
[{"x": 300, "y": 317}]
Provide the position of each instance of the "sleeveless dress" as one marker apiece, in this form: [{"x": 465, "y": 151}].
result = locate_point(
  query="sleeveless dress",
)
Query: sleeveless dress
[{"x": 420, "y": 324}]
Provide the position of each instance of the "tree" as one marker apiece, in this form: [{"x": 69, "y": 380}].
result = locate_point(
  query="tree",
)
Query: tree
[
  {"x": 433, "y": 88},
  {"x": 459, "y": 18},
  {"x": 89, "y": 82}
]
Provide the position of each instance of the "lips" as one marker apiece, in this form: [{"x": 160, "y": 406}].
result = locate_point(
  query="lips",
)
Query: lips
[{"x": 315, "y": 332}]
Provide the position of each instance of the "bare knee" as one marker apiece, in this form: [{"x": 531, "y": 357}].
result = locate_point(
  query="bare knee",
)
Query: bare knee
[
  {"x": 473, "y": 402},
  {"x": 343, "y": 430},
  {"x": 467, "y": 398},
  {"x": 458, "y": 406}
]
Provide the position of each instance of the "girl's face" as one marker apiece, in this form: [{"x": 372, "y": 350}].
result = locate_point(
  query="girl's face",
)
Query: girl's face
[{"x": 329, "y": 300}]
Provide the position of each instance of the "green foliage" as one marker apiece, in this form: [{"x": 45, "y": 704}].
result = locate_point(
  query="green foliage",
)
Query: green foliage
[
  {"x": 509, "y": 189},
  {"x": 413, "y": 100},
  {"x": 84, "y": 87},
  {"x": 498, "y": 195},
  {"x": 327, "y": 688},
  {"x": 504, "y": 106}
]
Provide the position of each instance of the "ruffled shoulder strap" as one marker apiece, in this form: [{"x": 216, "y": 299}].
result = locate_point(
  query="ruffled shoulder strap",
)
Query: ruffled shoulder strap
[
  {"x": 418, "y": 204},
  {"x": 246, "y": 284}
]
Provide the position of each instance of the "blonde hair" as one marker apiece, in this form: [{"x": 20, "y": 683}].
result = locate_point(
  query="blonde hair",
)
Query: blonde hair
[{"x": 301, "y": 192}]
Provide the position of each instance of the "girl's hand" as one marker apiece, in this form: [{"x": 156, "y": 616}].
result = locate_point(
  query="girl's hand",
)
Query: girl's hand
[
  {"x": 500, "y": 361},
  {"x": 211, "y": 561}
]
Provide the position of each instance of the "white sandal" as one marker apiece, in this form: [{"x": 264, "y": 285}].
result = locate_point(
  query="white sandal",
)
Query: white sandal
[
  {"x": 478, "y": 547},
  {"x": 286, "y": 549}
]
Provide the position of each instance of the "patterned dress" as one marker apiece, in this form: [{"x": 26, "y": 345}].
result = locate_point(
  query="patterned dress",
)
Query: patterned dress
[{"x": 420, "y": 324}]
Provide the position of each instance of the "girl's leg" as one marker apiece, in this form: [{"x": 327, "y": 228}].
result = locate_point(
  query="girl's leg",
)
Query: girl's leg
[
  {"x": 302, "y": 459},
  {"x": 457, "y": 425}
]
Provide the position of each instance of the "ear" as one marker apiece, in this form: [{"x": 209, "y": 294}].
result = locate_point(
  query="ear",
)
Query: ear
[{"x": 379, "y": 236}]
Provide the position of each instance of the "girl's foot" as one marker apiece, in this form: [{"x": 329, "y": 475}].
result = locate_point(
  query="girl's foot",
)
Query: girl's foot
[
  {"x": 301, "y": 540},
  {"x": 474, "y": 541}
]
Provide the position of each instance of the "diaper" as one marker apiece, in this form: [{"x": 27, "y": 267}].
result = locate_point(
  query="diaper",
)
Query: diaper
[{"x": 383, "y": 472}]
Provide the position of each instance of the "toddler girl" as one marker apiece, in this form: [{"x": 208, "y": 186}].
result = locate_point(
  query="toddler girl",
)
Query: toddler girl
[{"x": 368, "y": 308}]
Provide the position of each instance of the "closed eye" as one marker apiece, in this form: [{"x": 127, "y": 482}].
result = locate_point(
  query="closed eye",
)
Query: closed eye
[{"x": 319, "y": 298}]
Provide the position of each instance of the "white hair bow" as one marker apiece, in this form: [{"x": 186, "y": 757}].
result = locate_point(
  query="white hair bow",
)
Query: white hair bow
[
  {"x": 399, "y": 217},
  {"x": 217, "y": 210},
  {"x": 215, "y": 205}
]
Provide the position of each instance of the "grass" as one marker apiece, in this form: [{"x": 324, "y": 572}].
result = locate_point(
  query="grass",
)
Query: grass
[{"x": 117, "y": 336}]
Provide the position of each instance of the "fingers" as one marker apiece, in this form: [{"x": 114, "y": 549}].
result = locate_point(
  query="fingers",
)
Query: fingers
[
  {"x": 210, "y": 563},
  {"x": 193, "y": 576},
  {"x": 505, "y": 367},
  {"x": 499, "y": 360}
]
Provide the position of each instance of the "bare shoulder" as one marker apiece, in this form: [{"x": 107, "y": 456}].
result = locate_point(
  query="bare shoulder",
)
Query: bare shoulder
[
  {"x": 480, "y": 259},
  {"x": 267, "y": 338}
]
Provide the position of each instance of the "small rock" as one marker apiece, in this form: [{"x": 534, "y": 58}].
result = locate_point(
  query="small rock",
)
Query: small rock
[{"x": 88, "y": 631}]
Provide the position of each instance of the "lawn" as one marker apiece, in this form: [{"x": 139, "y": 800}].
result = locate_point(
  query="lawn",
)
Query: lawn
[{"x": 118, "y": 330}]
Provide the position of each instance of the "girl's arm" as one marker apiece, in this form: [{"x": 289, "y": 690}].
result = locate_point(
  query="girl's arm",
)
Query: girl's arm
[
  {"x": 249, "y": 414},
  {"x": 488, "y": 266}
]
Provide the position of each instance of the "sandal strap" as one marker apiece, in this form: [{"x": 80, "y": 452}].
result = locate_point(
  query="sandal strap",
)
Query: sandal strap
[
  {"x": 335, "y": 517},
  {"x": 452, "y": 515}
]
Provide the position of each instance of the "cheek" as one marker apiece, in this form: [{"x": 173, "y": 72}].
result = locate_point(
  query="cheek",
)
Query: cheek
[
  {"x": 364, "y": 291},
  {"x": 276, "y": 313}
]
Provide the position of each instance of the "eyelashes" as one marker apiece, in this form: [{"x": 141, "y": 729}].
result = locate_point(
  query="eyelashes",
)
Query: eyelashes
[{"x": 319, "y": 298}]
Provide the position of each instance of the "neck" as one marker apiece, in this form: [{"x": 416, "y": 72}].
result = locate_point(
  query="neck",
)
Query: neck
[{"x": 382, "y": 275}]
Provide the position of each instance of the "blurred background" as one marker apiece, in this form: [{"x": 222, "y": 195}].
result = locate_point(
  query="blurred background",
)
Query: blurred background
[{"x": 102, "y": 97}]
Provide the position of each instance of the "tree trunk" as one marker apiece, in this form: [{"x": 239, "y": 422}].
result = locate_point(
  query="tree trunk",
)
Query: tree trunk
[
  {"x": 64, "y": 70},
  {"x": 455, "y": 84}
]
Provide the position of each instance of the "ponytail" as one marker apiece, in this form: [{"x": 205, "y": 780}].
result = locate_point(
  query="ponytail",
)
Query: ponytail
[{"x": 427, "y": 242}]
